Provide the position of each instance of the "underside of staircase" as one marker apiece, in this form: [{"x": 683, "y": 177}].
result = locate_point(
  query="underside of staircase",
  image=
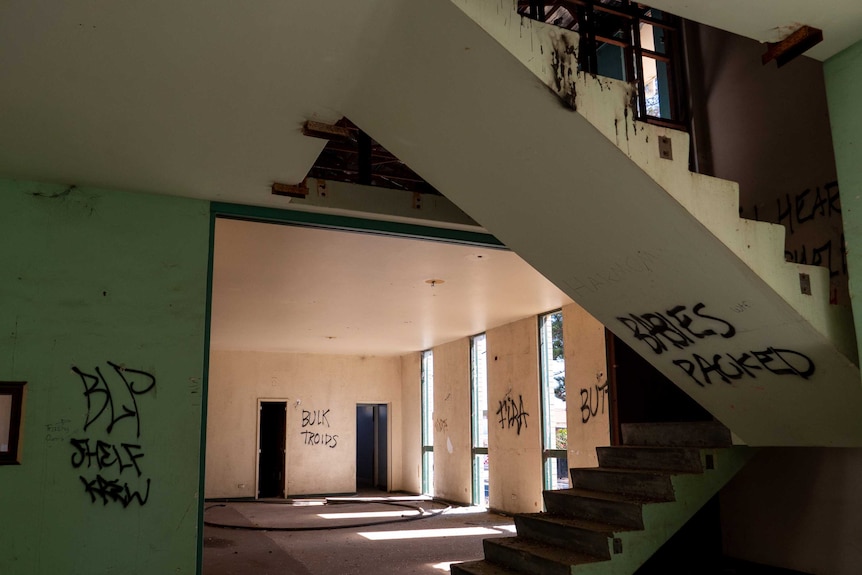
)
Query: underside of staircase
[
  {"x": 490, "y": 108},
  {"x": 617, "y": 515}
]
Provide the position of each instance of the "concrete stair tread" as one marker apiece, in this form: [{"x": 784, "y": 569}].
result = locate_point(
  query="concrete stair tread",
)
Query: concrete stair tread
[
  {"x": 597, "y": 526},
  {"x": 480, "y": 567},
  {"x": 603, "y": 495},
  {"x": 625, "y": 471},
  {"x": 543, "y": 550},
  {"x": 676, "y": 434}
]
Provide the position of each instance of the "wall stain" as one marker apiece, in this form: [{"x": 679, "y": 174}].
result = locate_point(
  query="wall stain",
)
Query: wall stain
[{"x": 56, "y": 195}]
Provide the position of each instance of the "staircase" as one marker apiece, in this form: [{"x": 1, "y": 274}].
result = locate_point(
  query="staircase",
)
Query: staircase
[
  {"x": 482, "y": 104},
  {"x": 617, "y": 515}
]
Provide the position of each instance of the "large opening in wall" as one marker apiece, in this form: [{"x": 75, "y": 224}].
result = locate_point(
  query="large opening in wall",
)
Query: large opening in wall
[
  {"x": 479, "y": 418},
  {"x": 427, "y": 409},
  {"x": 553, "y": 395},
  {"x": 326, "y": 317}
]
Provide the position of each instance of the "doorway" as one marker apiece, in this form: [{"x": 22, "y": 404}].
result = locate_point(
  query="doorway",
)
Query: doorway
[
  {"x": 372, "y": 453},
  {"x": 271, "y": 445}
]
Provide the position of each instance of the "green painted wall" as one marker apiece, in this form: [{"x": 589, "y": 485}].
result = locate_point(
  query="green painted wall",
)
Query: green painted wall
[
  {"x": 843, "y": 74},
  {"x": 91, "y": 277}
]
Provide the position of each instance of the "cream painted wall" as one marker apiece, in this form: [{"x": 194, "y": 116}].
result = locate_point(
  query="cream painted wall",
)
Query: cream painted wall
[
  {"x": 411, "y": 422},
  {"x": 514, "y": 426},
  {"x": 452, "y": 433},
  {"x": 588, "y": 400},
  {"x": 239, "y": 379}
]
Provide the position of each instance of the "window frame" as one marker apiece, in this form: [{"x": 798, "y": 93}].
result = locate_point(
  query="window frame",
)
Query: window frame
[
  {"x": 582, "y": 20},
  {"x": 550, "y": 453},
  {"x": 427, "y": 409}
]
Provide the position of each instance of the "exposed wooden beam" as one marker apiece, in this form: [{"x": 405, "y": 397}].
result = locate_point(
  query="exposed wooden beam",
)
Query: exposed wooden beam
[
  {"x": 799, "y": 42},
  {"x": 325, "y": 131},
  {"x": 299, "y": 190}
]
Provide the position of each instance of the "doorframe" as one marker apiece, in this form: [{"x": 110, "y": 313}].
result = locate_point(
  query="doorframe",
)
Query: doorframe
[{"x": 260, "y": 402}]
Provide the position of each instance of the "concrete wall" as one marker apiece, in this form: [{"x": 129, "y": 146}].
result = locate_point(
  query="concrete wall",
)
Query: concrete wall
[
  {"x": 452, "y": 433},
  {"x": 103, "y": 315},
  {"x": 411, "y": 423},
  {"x": 514, "y": 418},
  {"x": 308, "y": 383},
  {"x": 588, "y": 400},
  {"x": 768, "y": 129}
]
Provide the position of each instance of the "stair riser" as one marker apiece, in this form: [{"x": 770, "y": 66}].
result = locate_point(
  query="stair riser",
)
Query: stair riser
[
  {"x": 645, "y": 485},
  {"x": 710, "y": 434},
  {"x": 574, "y": 538},
  {"x": 611, "y": 512},
  {"x": 478, "y": 568},
  {"x": 521, "y": 561},
  {"x": 651, "y": 458}
]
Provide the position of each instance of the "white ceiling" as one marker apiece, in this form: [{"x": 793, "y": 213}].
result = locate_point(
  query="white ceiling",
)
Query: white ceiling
[
  {"x": 773, "y": 20},
  {"x": 305, "y": 290},
  {"x": 205, "y": 98}
]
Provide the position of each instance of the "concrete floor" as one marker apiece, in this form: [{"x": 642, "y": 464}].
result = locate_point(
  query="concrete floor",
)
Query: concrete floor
[{"x": 310, "y": 538}]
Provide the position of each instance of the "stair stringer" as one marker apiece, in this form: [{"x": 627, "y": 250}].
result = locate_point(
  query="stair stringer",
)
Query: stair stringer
[
  {"x": 663, "y": 520},
  {"x": 550, "y": 53},
  {"x": 452, "y": 103}
]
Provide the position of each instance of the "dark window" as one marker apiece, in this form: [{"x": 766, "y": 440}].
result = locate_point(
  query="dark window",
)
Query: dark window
[
  {"x": 627, "y": 41},
  {"x": 11, "y": 401}
]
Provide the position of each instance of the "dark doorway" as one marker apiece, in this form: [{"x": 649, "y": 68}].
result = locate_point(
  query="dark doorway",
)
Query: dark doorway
[
  {"x": 372, "y": 465},
  {"x": 270, "y": 476},
  {"x": 642, "y": 394}
]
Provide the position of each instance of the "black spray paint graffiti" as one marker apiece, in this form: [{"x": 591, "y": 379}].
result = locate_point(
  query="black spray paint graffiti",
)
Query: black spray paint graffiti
[
  {"x": 512, "y": 414},
  {"x": 135, "y": 383},
  {"x": 808, "y": 205},
  {"x": 111, "y": 398},
  {"x": 730, "y": 367},
  {"x": 826, "y": 246},
  {"x": 593, "y": 402},
  {"x": 676, "y": 328},
  {"x": 832, "y": 257},
  {"x": 110, "y": 490},
  {"x": 317, "y": 417},
  {"x": 105, "y": 455}
]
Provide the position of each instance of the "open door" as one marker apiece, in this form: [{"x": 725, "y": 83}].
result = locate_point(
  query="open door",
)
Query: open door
[
  {"x": 372, "y": 463},
  {"x": 270, "y": 476}
]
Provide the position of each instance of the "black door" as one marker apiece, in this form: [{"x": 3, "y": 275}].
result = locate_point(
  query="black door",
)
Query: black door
[
  {"x": 371, "y": 446},
  {"x": 270, "y": 476}
]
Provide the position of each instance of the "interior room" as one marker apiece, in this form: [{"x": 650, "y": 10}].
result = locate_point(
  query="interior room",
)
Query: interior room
[{"x": 580, "y": 271}]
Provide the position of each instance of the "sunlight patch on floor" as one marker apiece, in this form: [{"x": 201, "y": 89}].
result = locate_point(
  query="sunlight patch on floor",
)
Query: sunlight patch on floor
[{"x": 428, "y": 533}]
